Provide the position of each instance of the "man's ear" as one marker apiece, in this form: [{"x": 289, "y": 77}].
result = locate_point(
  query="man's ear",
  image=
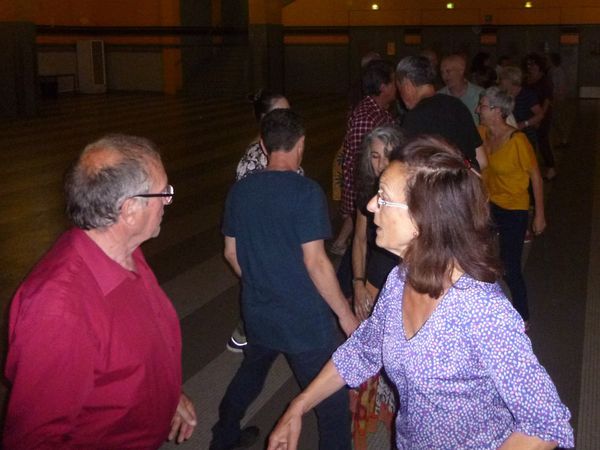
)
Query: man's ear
[
  {"x": 129, "y": 210},
  {"x": 300, "y": 145},
  {"x": 263, "y": 148}
]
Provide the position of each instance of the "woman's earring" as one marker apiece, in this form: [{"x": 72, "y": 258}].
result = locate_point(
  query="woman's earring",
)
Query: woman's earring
[{"x": 415, "y": 234}]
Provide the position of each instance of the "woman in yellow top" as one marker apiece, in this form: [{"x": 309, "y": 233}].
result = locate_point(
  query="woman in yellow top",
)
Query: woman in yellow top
[{"x": 511, "y": 167}]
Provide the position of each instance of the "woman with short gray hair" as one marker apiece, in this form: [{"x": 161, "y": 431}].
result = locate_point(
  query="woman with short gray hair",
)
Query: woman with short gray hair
[{"x": 511, "y": 167}]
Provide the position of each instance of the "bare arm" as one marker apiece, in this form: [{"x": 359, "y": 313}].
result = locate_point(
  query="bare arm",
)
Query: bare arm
[
  {"x": 535, "y": 120},
  {"x": 231, "y": 255},
  {"x": 362, "y": 300},
  {"x": 539, "y": 219},
  {"x": 481, "y": 157},
  {"x": 323, "y": 276},
  {"x": 520, "y": 441},
  {"x": 287, "y": 432}
]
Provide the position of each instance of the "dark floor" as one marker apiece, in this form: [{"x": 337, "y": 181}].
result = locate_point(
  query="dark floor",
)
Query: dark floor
[{"x": 202, "y": 141}]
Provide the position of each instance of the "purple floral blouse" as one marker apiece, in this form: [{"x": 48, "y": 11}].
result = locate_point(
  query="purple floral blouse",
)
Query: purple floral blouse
[{"x": 467, "y": 379}]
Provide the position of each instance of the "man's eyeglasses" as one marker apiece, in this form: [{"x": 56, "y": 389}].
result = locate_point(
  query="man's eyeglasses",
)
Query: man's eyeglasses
[
  {"x": 167, "y": 195},
  {"x": 381, "y": 202},
  {"x": 483, "y": 105}
]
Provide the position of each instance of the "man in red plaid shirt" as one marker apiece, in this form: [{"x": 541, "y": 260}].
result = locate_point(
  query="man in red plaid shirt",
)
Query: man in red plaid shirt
[{"x": 378, "y": 83}]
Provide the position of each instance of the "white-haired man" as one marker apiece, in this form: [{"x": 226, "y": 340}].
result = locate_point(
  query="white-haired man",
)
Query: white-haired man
[{"x": 94, "y": 353}]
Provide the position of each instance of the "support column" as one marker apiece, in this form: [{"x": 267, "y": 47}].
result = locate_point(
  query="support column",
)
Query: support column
[
  {"x": 265, "y": 35},
  {"x": 172, "y": 70},
  {"x": 18, "y": 70}
]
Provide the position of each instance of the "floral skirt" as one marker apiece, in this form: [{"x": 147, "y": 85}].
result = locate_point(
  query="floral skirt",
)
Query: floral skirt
[{"x": 371, "y": 403}]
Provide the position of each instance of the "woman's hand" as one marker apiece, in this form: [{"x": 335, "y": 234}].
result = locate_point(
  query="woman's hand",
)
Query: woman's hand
[
  {"x": 539, "y": 223},
  {"x": 363, "y": 302},
  {"x": 286, "y": 434}
]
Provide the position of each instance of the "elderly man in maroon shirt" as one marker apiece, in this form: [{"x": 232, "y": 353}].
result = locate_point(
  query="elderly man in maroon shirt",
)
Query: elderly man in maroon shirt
[{"x": 94, "y": 353}]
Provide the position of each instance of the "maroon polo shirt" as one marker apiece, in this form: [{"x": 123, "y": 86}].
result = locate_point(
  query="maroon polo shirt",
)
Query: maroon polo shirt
[
  {"x": 367, "y": 116},
  {"x": 94, "y": 353}
]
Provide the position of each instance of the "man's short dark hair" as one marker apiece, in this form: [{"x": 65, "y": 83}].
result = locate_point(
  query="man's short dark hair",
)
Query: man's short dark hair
[
  {"x": 375, "y": 74},
  {"x": 280, "y": 130},
  {"x": 417, "y": 69}
]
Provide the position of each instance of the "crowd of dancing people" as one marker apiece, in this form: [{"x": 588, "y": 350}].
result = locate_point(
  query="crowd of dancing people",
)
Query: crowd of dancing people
[{"x": 439, "y": 187}]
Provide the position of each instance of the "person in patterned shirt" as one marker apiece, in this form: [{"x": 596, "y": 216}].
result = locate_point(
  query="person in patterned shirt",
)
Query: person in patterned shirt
[
  {"x": 449, "y": 339},
  {"x": 378, "y": 84},
  {"x": 379, "y": 87}
]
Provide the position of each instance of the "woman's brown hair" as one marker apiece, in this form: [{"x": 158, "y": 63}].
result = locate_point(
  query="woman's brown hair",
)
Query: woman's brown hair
[{"x": 449, "y": 205}]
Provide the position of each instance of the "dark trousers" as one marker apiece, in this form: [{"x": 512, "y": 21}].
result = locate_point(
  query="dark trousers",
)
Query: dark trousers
[
  {"x": 544, "y": 145},
  {"x": 333, "y": 414},
  {"x": 511, "y": 226},
  {"x": 344, "y": 273}
]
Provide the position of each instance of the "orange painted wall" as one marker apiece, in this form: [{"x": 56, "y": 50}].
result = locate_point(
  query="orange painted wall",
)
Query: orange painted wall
[
  {"x": 433, "y": 12},
  {"x": 89, "y": 13}
]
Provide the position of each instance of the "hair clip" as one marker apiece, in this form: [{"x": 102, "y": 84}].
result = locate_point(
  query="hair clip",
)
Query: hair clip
[{"x": 470, "y": 167}]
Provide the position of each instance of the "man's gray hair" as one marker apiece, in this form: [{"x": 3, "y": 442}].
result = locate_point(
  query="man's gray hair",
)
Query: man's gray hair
[
  {"x": 512, "y": 74},
  {"x": 500, "y": 99},
  {"x": 96, "y": 191},
  {"x": 418, "y": 69}
]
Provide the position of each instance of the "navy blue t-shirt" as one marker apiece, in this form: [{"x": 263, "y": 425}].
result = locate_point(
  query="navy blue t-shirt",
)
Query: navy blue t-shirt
[
  {"x": 271, "y": 214},
  {"x": 524, "y": 101}
]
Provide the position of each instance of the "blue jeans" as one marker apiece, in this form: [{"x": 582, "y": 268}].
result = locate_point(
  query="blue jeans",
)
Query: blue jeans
[
  {"x": 333, "y": 414},
  {"x": 511, "y": 226}
]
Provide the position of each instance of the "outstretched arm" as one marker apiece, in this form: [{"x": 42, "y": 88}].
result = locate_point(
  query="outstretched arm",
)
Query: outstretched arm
[
  {"x": 520, "y": 441},
  {"x": 287, "y": 432}
]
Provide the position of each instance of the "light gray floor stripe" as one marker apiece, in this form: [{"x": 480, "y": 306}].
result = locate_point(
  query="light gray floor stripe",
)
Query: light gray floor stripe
[
  {"x": 588, "y": 434},
  {"x": 208, "y": 386},
  {"x": 197, "y": 286}
]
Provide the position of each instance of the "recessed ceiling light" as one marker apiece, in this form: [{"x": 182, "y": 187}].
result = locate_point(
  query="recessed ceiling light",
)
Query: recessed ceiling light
[
  {"x": 528, "y": 5},
  {"x": 449, "y": 5},
  {"x": 374, "y": 6}
]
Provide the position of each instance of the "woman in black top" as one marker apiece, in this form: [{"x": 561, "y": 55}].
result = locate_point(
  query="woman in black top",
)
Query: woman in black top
[{"x": 374, "y": 400}]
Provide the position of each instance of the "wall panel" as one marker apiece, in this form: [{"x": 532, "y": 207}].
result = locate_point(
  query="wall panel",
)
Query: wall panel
[{"x": 316, "y": 68}]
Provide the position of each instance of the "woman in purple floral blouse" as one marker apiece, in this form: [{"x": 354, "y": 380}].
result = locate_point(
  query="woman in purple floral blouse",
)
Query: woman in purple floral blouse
[{"x": 450, "y": 341}]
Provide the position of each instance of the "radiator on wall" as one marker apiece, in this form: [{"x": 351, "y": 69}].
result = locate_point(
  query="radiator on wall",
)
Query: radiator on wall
[{"x": 91, "y": 67}]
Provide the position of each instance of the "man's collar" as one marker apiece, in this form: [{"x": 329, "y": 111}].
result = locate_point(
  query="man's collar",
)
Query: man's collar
[
  {"x": 373, "y": 101},
  {"x": 108, "y": 273}
]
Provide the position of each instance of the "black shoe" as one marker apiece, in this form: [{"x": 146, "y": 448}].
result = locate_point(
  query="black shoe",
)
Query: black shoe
[{"x": 248, "y": 437}]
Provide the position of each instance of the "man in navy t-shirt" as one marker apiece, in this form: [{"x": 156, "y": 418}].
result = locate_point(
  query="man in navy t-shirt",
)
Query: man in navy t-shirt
[{"x": 275, "y": 224}]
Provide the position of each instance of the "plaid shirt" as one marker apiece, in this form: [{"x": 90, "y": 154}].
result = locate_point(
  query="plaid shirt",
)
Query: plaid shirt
[{"x": 365, "y": 118}]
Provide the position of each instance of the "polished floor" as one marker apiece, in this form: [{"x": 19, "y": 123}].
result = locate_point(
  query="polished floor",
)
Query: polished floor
[{"x": 201, "y": 142}]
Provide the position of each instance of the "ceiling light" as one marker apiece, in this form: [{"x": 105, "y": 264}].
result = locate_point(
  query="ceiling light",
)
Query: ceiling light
[
  {"x": 528, "y": 5},
  {"x": 374, "y": 6},
  {"x": 449, "y": 5}
]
